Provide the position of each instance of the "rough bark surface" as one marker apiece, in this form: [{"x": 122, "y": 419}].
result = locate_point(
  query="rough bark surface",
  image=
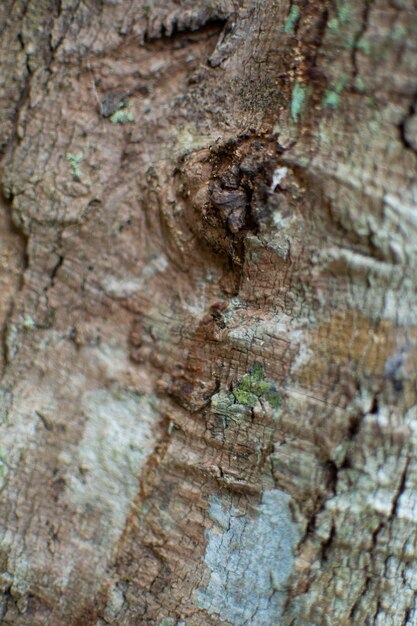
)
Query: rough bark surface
[{"x": 208, "y": 246}]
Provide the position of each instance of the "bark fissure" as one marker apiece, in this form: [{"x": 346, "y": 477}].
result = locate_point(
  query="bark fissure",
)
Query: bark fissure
[
  {"x": 407, "y": 128},
  {"x": 23, "y": 264},
  {"x": 361, "y": 33}
]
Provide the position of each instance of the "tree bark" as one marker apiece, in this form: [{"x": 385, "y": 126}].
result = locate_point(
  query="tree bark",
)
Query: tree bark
[{"x": 208, "y": 246}]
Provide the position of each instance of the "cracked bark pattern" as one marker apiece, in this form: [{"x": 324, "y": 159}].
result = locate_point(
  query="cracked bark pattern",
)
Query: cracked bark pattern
[{"x": 208, "y": 253}]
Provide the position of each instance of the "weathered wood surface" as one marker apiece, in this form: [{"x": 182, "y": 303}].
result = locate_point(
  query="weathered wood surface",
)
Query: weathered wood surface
[{"x": 208, "y": 246}]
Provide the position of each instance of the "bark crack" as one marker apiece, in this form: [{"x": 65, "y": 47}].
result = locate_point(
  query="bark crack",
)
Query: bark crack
[
  {"x": 400, "y": 489},
  {"x": 7, "y": 201},
  {"x": 408, "y": 127},
  {"x": 364, "y": 27}
]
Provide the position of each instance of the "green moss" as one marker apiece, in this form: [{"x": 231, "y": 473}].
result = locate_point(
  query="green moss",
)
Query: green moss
[
  {"x": 122, "y": 116},
  {"x": 298, "y": 100},
  {"x": 74, "y": 161},
  {"x": 254, "y": 387},
  {"x": 168, "y": 621},
  {"x": 245, "y": 397},
  {"x": 246, "y": 394},
  {"x": 292, "y": 19},
  {"x": 259, "y": 387}
]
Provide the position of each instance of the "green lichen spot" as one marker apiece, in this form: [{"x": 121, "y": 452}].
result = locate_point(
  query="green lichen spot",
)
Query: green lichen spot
[
  {"x": 360, "y": 84},
  {"x": 298, "y": 100},
  {"x": 122, "y": 116},
  {"x": 343, "y": 12},
  {"x": 331, "y": 98},
  {"x": 225, "y": 405},
  {"x": 74, "y": 161},
  {"x": 364, "y": 46},
  {"x": 399, "y": 32},
  {"x": 28, "y": 323},
  {"x": 333, "y": 25},
  {"x": 292, "y": 19},
  {"x": 371, "y": 102},
  {"x": 221, "y": 403},
  {"x": 167, "y": 621}
]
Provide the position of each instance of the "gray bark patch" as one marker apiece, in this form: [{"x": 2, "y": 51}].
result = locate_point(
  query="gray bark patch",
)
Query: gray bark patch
[
  {"x": 250, "y": 560},
  {"x": 118, "y": 437}
]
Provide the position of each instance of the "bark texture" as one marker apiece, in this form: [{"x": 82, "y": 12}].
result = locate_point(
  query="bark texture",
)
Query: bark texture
[{"x": 208, "y": 246}]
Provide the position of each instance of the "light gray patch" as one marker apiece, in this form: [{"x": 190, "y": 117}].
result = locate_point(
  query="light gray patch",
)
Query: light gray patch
[
  {"x": 117, "y": 287},
  {"x": 250, "y": 560},
  {"x": 119, "y": 434},
  {"x": 218, "y": 514}
]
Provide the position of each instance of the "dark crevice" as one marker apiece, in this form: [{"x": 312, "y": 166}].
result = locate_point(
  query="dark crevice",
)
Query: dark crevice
[
  {"x": 27, "y": 64},
  {"x": 400, "y": 490},
  {"x": 44, "y": 421},
  {"x": 7, "y": 597},
  {"x": 313, "y": 23},
  {"x": 363, "y": 593},
  {"x": 377, "y": 611},
  {"x": 58, "y": 8},
  {"x": 192, "y": 32},
  {"x": 4, "y": 346},
  {"x": 374, "y": 410},
  {"x": 22, "y": 99},
  {"x": 412, "y": 113},
  {"x": 359, "y": 35},
  {"x": 55, "y": 268},
  {"x": 313, "y": 45},
  {"x": 326, "y": 545},
  {"x": 7, "y": 201},
  {"x": 332, "y": 475},
  {"x": 53, "y": 48},
  {"x": 354, "y": 427}
]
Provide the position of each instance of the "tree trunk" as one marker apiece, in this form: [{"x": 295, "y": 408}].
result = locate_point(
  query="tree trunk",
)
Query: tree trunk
[{"x": 208, "y": 254}]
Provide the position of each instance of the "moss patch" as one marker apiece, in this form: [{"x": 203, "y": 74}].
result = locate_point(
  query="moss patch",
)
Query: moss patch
[
  {"x": 74, "y": 161},
  {"x": 122, "y": 116},
  {"x": 254, "y": 387},
  {"x": 246, "y": 394}
]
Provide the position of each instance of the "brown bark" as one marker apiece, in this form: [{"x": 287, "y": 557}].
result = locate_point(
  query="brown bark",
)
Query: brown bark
[{"x": 208, "y": 255}]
